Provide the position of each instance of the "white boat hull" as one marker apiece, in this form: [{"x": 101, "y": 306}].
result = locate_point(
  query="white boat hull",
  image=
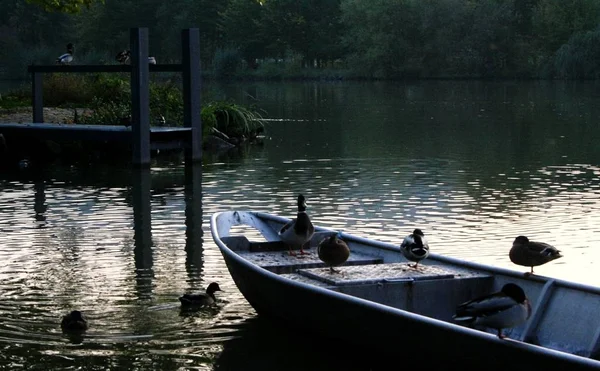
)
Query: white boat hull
[{"x": 403, "y": 317}]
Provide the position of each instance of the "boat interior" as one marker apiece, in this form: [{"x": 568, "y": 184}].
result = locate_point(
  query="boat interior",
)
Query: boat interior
[{"x": 564, "y": 314}]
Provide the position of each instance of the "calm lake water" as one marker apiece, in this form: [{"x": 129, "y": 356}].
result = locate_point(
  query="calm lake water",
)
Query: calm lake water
[{"x": 474, "y": 164}]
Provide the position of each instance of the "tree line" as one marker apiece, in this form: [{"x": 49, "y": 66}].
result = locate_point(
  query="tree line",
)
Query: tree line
[{"x": 384, "y": 39}]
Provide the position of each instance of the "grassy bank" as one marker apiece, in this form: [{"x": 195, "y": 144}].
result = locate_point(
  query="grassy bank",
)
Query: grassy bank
[{"x": 107, "y": 101}]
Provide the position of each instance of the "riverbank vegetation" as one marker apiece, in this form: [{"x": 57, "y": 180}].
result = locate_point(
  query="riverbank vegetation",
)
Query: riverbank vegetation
[
  {"x": 328, "y": 39},
  {"x": 105, "y": 99}
]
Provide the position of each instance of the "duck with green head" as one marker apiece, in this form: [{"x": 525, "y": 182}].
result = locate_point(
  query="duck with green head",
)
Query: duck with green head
[
  {"x": 298, "y": 231},
  {"x": 333, "y": 251},
  {"x": 68, "y": 56},
  {"x": 414, "y": 247},
  {"x": 504, "y": 309},
  {"x": 201, "y": 299},
  {"x": 531, "y": 254}
]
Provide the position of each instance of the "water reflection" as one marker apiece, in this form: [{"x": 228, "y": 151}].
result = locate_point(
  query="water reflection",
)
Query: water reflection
[
  {"x": 142, "y": 225},
  {"x": 193, "y": 222},
  {"x": 472, "y": 164}
]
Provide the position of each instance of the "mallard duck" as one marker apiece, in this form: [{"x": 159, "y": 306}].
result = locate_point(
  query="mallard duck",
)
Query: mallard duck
[
  {"x": 333, "y": 251},
  {"x": 531, "y": 254},
  {"x": 414, "y": 247},
  {"x": 208, "y": 298},
  {"x": 124, "y": 57},
  {"x": 504, "y": 309},
  {"x": 68, "y": 56},
  {"x": 299, "y": 230},
  {"x": 74, "y": 321}
]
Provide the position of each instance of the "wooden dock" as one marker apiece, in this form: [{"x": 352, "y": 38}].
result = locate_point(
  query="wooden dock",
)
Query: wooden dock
[
  {"x": 164, "y": 138},
  {"x": 140, "y": 134}
]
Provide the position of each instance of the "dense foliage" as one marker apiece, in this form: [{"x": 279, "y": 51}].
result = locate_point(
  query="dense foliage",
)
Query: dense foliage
[{"x": 317, "y": 38}]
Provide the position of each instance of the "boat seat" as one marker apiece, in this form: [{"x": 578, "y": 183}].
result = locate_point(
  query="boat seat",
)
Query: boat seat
[
  {"x": 274, "y": 255},
  {"x": 386, "y": 273}
]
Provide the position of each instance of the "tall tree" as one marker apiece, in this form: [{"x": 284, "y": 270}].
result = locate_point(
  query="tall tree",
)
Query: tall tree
[{"x": 66, "y": 6}]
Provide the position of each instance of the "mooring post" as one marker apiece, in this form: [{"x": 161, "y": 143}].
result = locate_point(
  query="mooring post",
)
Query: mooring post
[
  {"x": 194, "y": 261},
  {"x": 140, "y": 95},
  {"x": 38, "y": 97},
  {"x": 190, "y": 63}
]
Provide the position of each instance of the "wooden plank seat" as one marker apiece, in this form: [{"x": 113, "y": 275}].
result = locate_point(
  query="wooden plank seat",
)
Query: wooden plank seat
[{"x": 274, "y": 255}]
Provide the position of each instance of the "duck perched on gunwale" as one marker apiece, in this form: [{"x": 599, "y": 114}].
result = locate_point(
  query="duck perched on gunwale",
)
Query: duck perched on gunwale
[
  {"x": 299, "y": 230},
  {"x": 333, "y": 251},
  {"x": 414, "y": 247},
  {"x": 507, "y": 308},
  {"x": 74, "y": 321},
  {"x": 201, "y": 299},
  {"x": 531, "y": 254}
]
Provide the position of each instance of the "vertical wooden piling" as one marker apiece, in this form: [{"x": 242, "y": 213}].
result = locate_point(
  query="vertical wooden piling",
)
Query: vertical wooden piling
[
  {"x": 190, "y": 61},
  {"x": 140, "y": 95},
  {"x": 38, "y": 97}
]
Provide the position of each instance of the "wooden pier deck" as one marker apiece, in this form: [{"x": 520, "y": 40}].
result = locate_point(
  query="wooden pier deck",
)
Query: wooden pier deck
[
  {"x": 140, "y": 134},
  {"x": 160, "y": 137}
]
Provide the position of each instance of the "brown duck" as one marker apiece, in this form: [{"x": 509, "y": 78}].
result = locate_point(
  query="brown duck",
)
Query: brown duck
[
  {"x": 333, "y": 251},
  {"x": 531, "y": 254}
]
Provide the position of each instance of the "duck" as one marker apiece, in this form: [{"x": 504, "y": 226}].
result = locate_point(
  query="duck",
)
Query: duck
[
  {"x": 531, "y": 254},
  {"x": 299, "y": 230},
  {"x": 68, "y": 56},
  {"x": 506, "y": 308},
  {"x": 333, "y": 251},
  {"x": 201, "y": 299},
  {"x": 74, "y": 321},
  {"x": 124, "y": 57},
  {"x": 414, "y": 247}
]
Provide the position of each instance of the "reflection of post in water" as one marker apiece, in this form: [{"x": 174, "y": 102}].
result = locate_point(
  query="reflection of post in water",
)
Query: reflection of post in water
[
  {"x": 142, "y": 231},
  {"x": 40, "y": 205},
  {"x": 193, "y": 221}
]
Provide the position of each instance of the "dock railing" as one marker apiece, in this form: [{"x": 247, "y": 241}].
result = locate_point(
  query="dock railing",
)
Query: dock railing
[{"x": 140, "y": 92}]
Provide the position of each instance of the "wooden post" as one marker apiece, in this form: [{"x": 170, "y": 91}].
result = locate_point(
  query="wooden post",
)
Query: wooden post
[
  {"x": 190, "y": 63},
  {"x": 38, "y": 97},
  {"x": 140, "y": 96},
  {"x": 142, "y": 227},
  {"x": 194, "y": 262}
]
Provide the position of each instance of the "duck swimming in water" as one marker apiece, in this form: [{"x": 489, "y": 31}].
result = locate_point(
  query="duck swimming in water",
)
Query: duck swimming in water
[
  {"x": 531, "y": 254},
  {"x": 414, "y": 247},
  {"x": 299, "y": 230},
  {"x": 68, "y": 56},
  {"x": 201, "y": 299},
  {"x": 504, "y": 309},
  {"x": 74, "y": 321},
  {"x": 333, "y": 251}
]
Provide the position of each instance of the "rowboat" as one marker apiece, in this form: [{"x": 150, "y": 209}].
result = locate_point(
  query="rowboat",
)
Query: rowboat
[{"x": 379, "y": 303}]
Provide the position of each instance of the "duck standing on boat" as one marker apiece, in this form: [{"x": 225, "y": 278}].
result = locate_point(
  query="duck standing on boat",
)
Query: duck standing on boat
[
  {"x": 414, "y": 247},
  {"x": 68, "y": 56},
  {"x": 531, "y": 254},
  {"x": 201, "y": 299},
  {"x": 299, "y": 230},
  {"x": 333, "y": 251},
  {"x": 74, "y": 321},
  {"x": 504, "y": 309}
]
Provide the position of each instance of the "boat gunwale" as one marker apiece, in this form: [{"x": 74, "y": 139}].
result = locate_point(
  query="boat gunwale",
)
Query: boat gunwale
[
  {"x": 446, "y": 259},
  {"x": 481, "y": 335}
]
